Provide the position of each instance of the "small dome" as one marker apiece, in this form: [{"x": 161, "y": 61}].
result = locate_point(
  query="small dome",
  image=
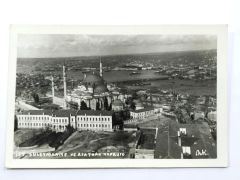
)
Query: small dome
[
  {"x": 93, "y": 79},
  {"x": 100, "y": 89},
  {"x": 117, "y": 102}
]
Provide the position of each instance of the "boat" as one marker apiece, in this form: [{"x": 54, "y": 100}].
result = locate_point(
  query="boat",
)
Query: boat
[
  {"x": 146, "y": 83},
  {"x": 134, "y": 73},
  {"x": 87, "y": 71}
]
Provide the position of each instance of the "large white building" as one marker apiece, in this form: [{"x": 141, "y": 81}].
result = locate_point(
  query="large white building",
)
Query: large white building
[
  {"x": 142, "y": 113},
  {"x": 60, "y": 119},
  {"x": 93, "y": 120}
]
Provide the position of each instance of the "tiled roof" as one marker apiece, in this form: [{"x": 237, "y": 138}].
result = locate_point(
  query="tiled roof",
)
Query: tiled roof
[
  {"x": 94, "y": 113},
  {"x": 66, "y": 113},
  {"x": 38, "y": 112}
]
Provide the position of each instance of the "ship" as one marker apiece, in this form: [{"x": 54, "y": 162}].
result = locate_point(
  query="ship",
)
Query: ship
[{"x": 134, "y": 73}]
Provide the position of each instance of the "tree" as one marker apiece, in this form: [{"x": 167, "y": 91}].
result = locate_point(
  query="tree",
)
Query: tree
[
  {"x": 97, "y": 106},
  {"x": 105, "y": 103},
  {"x": 134, "y": 95},
  {"x": 83, "y": 106},
  {"x": 133, "y": 106},
  {"x": 35, "y": 97},
  {"x": 15, "y": 123},
  {"x": 110, "y": 107}
]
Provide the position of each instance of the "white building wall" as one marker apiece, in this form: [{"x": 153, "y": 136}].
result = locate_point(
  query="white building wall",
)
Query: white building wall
[
  {"x": 95, "y": 123},
  {"x": 141, "y": 115},
  {"x": 59, "y": 123},
  {"x": 34, "y": 121}
]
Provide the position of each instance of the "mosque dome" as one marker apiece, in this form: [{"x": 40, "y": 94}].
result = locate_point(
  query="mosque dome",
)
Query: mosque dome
[
  {"x": 93, "y": 79},
  {"x": 99, "y": 89}
]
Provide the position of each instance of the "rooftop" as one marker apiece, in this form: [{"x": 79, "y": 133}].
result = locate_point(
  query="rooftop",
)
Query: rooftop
[
  {"x": 37, "y": 112},
  {"x": 143, "y": 110},
  {"x": 67, "y": 113},
  {"x": 94, "y": 113}
]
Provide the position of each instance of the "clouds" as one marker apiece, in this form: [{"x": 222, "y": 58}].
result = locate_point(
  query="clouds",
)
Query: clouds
[{"x": 56, "y": 45}]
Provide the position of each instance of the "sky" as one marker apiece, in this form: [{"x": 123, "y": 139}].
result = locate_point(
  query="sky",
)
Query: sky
[{"x": 69, "y": 45}]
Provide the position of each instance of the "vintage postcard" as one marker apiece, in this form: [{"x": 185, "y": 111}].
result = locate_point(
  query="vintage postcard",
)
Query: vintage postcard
[{"x": 117, "y": 96}]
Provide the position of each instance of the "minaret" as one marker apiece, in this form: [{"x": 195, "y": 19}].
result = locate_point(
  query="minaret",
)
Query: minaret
[
  {"x": 53, "y": 93},
  {"x": 64, "y": 87},
  {"x": 100, "y": 68}
]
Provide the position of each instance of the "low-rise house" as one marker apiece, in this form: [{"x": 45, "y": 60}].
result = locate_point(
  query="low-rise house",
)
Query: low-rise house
[{"x": 212, "y": 116}]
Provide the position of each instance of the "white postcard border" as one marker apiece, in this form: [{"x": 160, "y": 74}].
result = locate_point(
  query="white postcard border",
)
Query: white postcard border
[{"x": 222, "y": 117}]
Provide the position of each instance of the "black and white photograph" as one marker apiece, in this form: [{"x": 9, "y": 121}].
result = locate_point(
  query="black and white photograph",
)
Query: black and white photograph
[{"x": 143, "y": 95}]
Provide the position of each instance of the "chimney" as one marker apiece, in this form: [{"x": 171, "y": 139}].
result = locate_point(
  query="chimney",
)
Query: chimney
[
  {"x": 179, "y": 138},
  {"x": 181, "y": 155},
  {"x": 179, "y": 141},
  {"x": 64, "y": 87},
  {"x": 53, "y": 93},
  {"x": 100, "y": 68}
]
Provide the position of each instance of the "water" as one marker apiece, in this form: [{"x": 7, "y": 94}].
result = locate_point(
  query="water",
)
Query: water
[{"x": 116, "y": 76}]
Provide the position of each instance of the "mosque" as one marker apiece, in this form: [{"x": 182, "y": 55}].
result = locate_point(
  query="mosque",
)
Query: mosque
[{"x": 94, "y": 91}]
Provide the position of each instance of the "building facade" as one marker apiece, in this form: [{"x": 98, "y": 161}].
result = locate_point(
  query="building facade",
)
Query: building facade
[
  {"x": 142, "y": 113},
  {"x": 60, "y": 119}
]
